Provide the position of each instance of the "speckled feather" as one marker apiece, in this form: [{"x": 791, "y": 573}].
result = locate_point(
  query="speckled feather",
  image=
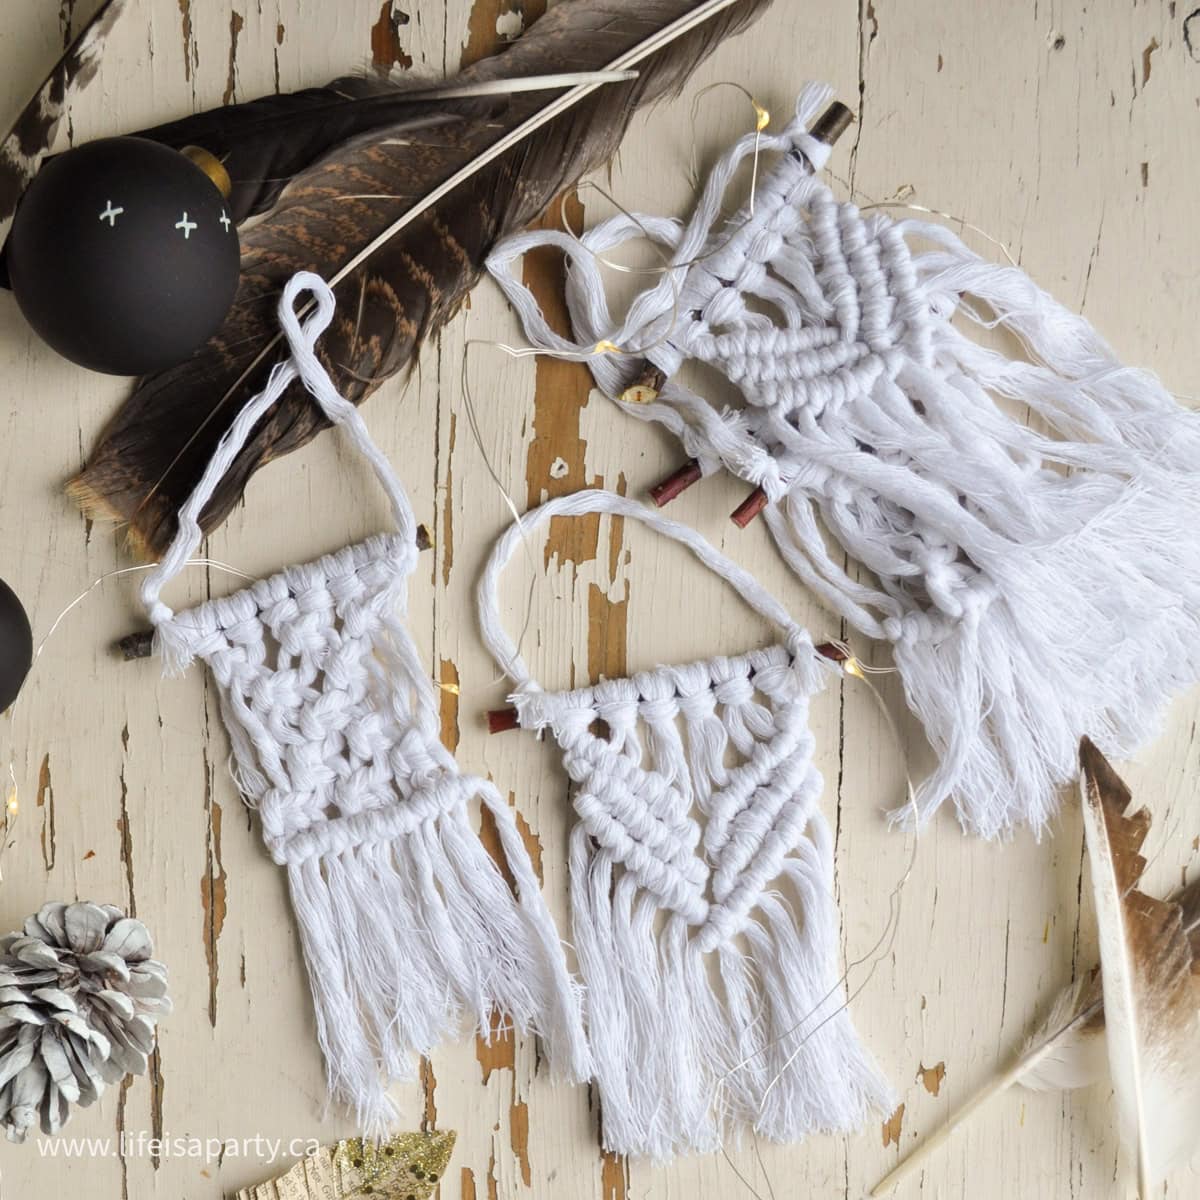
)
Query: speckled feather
[
  {"x": 154, "y": 450},
  {"x": 30, "y": 139}
]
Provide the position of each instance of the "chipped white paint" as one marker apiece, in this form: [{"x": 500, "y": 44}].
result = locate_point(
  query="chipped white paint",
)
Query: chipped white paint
[
  {"x": 1064, "y": 131},
  {"x": 509, "y": 25}
]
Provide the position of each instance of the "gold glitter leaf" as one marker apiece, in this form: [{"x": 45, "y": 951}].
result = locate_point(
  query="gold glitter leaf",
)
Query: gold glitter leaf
[{"x": 407, "y": 1166}]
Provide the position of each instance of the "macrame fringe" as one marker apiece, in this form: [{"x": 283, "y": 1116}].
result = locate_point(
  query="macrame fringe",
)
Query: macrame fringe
[
  {"x": 1086, "y": 536},
  {"x": 703, "y": 919},
  {"x": 409, "y": 929},
  {"x": 419, "y": 939},
  {"x": 691, "y": 1048},
  {"x": 1030, "y": 528}
]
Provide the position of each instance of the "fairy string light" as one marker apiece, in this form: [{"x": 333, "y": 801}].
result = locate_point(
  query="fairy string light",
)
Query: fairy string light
[{"x": 12, "y": 803}]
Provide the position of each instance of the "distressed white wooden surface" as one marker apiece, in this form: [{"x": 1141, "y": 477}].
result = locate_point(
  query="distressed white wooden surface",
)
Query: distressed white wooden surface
[{"x": 1069, "y": 131}]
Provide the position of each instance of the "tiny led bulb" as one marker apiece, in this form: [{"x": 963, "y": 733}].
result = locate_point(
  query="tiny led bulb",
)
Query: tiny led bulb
[
  {"x": 764, "y": 117},
  {"x": 851, "y": 667},
  {"x": 639, "y": 393}
]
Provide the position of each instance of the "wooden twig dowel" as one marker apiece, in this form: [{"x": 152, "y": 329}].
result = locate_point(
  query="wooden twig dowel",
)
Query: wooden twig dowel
[
  {"x": 676, "y": 483},
  {"x": 501, "y": 720},
  {"x": 141, "y": 644},
  {"x": 749, "y": 508},
  {"x": 649, "y": 381},
  {"x": 832, "y": 123},
  {"x": 136, "y": 645}
]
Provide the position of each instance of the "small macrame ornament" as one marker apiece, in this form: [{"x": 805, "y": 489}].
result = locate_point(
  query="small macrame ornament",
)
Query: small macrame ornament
[
  {"x": 410, "y": 930},
  {"x": 1027, "y": 525},
  {"x": 80, "y": 997},
  {"x": 701, "y": 879}
]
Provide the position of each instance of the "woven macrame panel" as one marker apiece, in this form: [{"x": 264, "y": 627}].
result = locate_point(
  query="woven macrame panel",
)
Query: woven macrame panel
[
  {"x": 703, "y": 921},
  {"x": 698, "y": 784},
  {"x": 334, "y": 746},
  {"x": 411, "y": 932},
  {"x": 1021, "y": 514},
  {"x": 701, "y": 875}
]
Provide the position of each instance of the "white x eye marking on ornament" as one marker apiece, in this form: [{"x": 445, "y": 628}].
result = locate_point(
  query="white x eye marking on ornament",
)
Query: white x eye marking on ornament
[
  {"x": 186, "y": 225},
  {"x": 225, "y": 220},
  {"x": 111, "y": 214}
]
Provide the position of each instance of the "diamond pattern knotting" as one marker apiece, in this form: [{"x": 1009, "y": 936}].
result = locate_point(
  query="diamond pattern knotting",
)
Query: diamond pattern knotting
[{"x": 754, "y": 813}]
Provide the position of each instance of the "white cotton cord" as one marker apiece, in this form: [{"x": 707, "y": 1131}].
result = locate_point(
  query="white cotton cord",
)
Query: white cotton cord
[
  {"x": 691, "y": 246},
  {"x": 510, "y": 504},
  {"x": 304, "y": 364},
  {"x": 660, "y": 315},
  {"x": 900, "y": 199},
  {"x": 411, "y": 931},
  {"x": 876, "y": 419},
  {"x": 581, "y": 354},
  {"x": 695, "y": 805},
  {"x": 596, "y": 500},
  {"x": 961, "y": 222},
  {"x": 882, "y": 946}
]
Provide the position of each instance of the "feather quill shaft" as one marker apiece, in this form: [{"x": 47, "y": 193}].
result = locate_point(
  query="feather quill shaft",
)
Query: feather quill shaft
[
  {"x": 431, "y": 204},
  {"x": 1067, "y": 1051},
  {"x": 620, "y": 64},
  {"x": 623, "y": 62},
  {"x": 264, "y": 143},
  {"x": 1151, "y": 982}
]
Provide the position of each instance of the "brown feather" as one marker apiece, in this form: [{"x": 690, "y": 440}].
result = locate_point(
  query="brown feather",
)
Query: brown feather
[
  {"x": 30, "y": 139},
  {"x": 1068, "y": 1048},
  {"x": 1151, "y": 981},
  {"x": 155, "y": 449}
]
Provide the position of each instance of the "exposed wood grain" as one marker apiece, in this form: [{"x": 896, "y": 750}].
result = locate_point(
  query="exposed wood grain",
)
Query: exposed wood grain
[
  {"x": 212, "y": 897},
  {"x": 931, "y": 1077},
  {"x": 614, "y": 1176},
  {"x": 1067, "y": 131},
  {"x": 387, "y": 50},
  {"x": 45, "y": 801},
  {"x": 893, "y": 1127},
  {"x": 429, "y": 1090},
  {"x": 236, "y": 24}
]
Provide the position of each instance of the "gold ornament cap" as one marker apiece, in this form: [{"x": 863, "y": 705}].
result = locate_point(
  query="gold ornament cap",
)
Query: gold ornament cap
[{"x": 212, "y": 166}]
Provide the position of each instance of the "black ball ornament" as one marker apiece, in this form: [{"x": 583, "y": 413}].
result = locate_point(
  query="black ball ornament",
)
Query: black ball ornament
[
  {"x": 16, "y": 645},
  {"x": 123, "y": 255}
]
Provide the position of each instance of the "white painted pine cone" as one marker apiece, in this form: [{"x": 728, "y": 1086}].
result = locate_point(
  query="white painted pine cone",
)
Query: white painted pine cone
[{"x": 80, "y": 996}]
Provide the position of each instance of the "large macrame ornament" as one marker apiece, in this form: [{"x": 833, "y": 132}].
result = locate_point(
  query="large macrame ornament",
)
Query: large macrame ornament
[
  {"x": 410, "y": 931},
  {"x": 1038, "y": 579},
  {"x": 701, "y": 877}
]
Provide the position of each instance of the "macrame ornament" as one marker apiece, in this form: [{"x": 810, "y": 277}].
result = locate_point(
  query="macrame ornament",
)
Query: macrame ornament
[
  {"x": 701, "y": 878},
  {"x": 410, "y": 931},
  {"x": 1037, "y": 579}
]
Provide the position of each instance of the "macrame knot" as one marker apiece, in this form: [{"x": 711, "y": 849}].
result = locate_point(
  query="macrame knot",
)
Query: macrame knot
[
  {"x": 302, "y": 339},
  {"x": 535, "y": 710},
  {"x": 657, "y": 699},
  {"x": 615, "y": 702}
]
